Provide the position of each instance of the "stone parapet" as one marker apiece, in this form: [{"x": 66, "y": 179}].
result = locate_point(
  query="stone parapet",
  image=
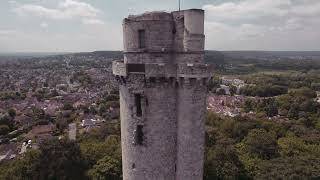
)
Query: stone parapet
[
  {"x": 119, "y": 68},
  {"x": 150, "y": 16},
  {"x": 160, "y": 70},
  {"x": 197, "y": 70}
]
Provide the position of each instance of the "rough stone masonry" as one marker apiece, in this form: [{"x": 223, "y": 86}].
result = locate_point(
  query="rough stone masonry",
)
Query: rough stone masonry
[{"x": 163, "y": 86}]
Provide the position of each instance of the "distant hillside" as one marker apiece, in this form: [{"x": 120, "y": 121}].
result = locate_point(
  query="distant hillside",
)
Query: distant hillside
[
  {"x": 106, "y": 54},
  {"x": 220, "y": 59},
  {"x": 30, "y": 54},
  {"x": 270, "y": 54}
]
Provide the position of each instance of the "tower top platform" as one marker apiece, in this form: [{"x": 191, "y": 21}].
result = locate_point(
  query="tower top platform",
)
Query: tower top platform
[
  {"x": 159, "y": 15},
  {"x": 171, "y": 33}
]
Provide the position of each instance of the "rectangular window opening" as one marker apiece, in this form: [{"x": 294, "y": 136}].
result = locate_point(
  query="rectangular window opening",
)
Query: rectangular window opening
[
  {"x": 137, "y": 99},
  {"x": 142, "y": 34},
  {"x": 139, "y": 135},
  {"x": 152, "y": 79},
  {"x": 139, "y": 68}
]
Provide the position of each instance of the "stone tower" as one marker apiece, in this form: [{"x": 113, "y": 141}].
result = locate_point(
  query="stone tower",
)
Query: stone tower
[{"x": 163, "y": 89}]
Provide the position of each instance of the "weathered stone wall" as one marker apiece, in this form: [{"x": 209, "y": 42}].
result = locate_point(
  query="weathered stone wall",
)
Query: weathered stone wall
[
  {"x": 193, "y": 42},
  {"x": 194, "y": 21},
  {"x": 194, "y": 30},
  {"x": 119, "y": 68},
  {"x": 160, "y": 70},
  {"x": 156, "y": 158},
  {"x": 157, "y": 57},
  {"x": 178, "y": 18},
  {"x": 151, "y": 16},
  {"x": 191, "y": 110},
  {"x": 189, "y": 57},
  {"x": 158, "y": 35},
  {"x": 194, "y": 70},
  {"x": 148, "y": 57},
  {"x": 167, "y": 70}
]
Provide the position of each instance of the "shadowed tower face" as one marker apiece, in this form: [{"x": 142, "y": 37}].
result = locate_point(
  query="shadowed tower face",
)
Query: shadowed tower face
[{"x": 163, "y": 95}]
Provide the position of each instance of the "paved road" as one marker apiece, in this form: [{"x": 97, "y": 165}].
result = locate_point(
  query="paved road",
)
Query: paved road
[{"x": 72, "y": 131}]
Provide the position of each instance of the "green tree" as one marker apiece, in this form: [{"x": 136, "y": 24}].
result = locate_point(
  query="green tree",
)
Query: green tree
[
  {"x": 107, "y": 168},
  {"x": 220, "y": 91},
  {"x": 233, "y": 90},
  {"x": 271, "y": 109},
  {"x": 67, "y": 106},
  {"x": 37, "y": 114},
  {"x": 5, "y": 120},
  {"x": 214, "y": 83},
  {"x": 61, "y": 160},
  {"x": 114, "y": 104},
  {"x": 291, "y": 146},
  {"x": 317, "y": 124},
  {"x": 54, "y": 160},
  {"x": 111, "y": 97},
  {"x": 12, "y": 112},
  {"x": 222, "y": 162},
  {"x": 61, "y": 124},
  {"x": 4, "y": 129},
  {"x": 102, "y": 109},
  {"x": 93, "y": 150},
  {"x": 26, "y": 168},
  {"x": 315, "y": 86},
  {"x": 261, "y": 143},
  {"x": 284, "y": 101},
  {"x": 248, "y": 105},
  {"x": 294, "y": 111},
  {"x": 306, "y": 92},
  {"x": 291, "y": 168}
]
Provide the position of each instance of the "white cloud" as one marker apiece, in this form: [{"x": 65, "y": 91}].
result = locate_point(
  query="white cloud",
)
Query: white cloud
[
  {"x": 247, "y": 9},
  {"x": 5, "y": 32},
  {"x": 36, "y": 10},
  {"x": 86, "y": 38},
  {"x": 65, "y": 10},
  {"x": 263, "y": 24},
  {"x": 92, "y": 22},
  {"x": 12, "y": 2},
  {"x": 78, "y": 9},
  {"x": 44, "y": 25},
  {"x": 230, "y": 25},
  {"x": 307, "y": 9}
]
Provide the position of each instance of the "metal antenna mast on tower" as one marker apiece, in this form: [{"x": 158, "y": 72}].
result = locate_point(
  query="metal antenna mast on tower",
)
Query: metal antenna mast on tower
[{"x": 179, "y": 5}]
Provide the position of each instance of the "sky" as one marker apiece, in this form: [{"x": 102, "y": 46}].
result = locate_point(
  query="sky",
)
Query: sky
[{"x": 91, "y": 25}]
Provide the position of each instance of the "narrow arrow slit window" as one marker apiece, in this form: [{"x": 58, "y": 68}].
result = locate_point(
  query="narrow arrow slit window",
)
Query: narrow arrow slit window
[
  {"x": 137, "y": 99},
  {"x": 142, "y": 38}
]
